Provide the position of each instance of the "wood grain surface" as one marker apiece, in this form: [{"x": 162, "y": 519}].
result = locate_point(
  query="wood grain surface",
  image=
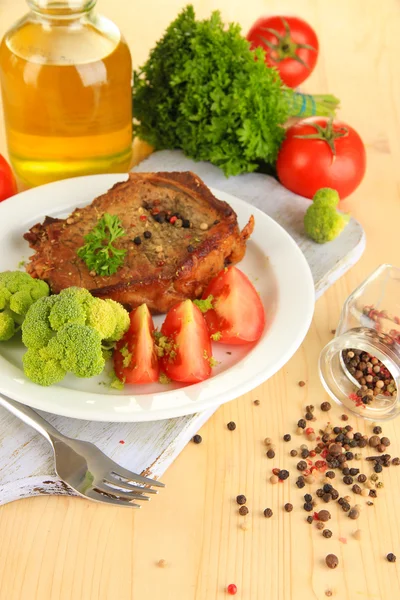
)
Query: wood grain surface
[{"x": 69, "y": 549}]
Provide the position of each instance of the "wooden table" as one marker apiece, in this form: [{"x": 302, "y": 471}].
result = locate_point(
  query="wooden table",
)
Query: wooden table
[{"x": 68, "y": 549}]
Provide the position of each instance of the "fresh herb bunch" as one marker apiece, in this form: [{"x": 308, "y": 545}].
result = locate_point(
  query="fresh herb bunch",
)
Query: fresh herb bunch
[
  {"x": 99, "y": 253},
  {"x": 204, "y": 91}
]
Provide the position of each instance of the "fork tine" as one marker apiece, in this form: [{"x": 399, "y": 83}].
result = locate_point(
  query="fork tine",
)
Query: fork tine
[
  {"x": 124, "y": 485},
  {"x": 125, "y": 474},
  {"x": 92, "y": 494},
  {"x": 104, "y": 488}
]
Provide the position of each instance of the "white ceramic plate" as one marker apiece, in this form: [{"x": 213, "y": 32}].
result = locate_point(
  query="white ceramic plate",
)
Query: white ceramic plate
[{"x": 273, "y": 262}]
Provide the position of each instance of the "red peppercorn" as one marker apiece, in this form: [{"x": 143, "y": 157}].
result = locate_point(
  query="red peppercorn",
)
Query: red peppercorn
[
  {"x": 172, "y": 220},
  {"x": 309, "y": 430},
  {"x": 143, "y": 218},
  {"x": 231, "y": 589},
  {"x": 313, "y": 453},
  {"x": 275, "y": 471}
]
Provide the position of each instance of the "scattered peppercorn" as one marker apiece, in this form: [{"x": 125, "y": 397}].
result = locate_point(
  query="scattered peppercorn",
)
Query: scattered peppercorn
[
  {"x": 356, "y": 489},
  {"x": 372, "y": 493},
  {"x": 231, "y": 426},
  {"x": 283, "y": 474},
  {"x": 197, "y": 439},
  {"x": 231, "y": 589},
  {"x": 330, "y": 474},
  {"x": 287, "y": 437},
  {"x": 354, "y": 513},
  {"x": 327, "y": 488},
  {"x": 347, "y": 480},
  {"x": 302, "y": 465},
  {"x": 391, "y": 557},
  {"x": 305, "y": 453},
  {"x": 396, "y": 461},
  {"x": 324, "y": 515},
  {"x": 310, "y": 519},
  {"x": 332, "y": 561},
  {"x": 385, "y": 441},
  {"x": 378, "y": 468},
  {"x": 362, "y": 478},
  {"x": 302, "y": 423},
  {"x": 300, "y": 483},
  {"x": 320, "y": 525},
  {"x": 344, "y": 417},
  {"x": 327, "y": 533},
  {"x": 309, "y": 416},
  {"x": 243, "y": 510},
  {"x": 241, "y": 499},
  {"x": 288, "y": 507},
  {"x": 354, "y": 472},
  {"x": 374, "y": 441},
  {"x": 256, "y": 402},
  {"x": 162, "y": 563},
  {"x": 293, "y": 453},
  {"x": 274, "y": 479},
  {"x": 185, "y": 223},
  {"x": 308, "y": 506},
  {"x": 302, "y": 383},
  {"x": 270, "y": 453},
  {"x": 325, "y": 406},
  {"x": 377, "y": 430},
  {"x": 268, "y": 513},
  {"x": 345, "y": 506},
  {"x": 147, "y": 235},
  {"x": 307, "y": 497},
  {"x": 137, "y": 240}
]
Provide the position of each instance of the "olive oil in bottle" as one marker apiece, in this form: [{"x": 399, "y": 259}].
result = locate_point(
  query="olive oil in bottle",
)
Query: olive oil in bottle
[{"x": 66, "y": 76}]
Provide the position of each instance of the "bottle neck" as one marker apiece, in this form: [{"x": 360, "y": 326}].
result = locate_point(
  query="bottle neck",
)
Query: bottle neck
[{"x": 61, "y": 8}]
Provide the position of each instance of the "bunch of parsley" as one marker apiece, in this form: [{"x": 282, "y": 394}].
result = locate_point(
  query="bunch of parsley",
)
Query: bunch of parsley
[{"x": 202, "y": 90}]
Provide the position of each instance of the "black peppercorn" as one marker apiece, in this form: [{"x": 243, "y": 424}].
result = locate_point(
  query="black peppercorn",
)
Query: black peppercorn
[
  {"x": 160, "y": 217},
  {"x": 348, "y": 480},
  {"x": 308, "y": 506},
  {"x": 332, "y": 561},
  {"x": 320, "y": 492},
  {"x": 197, "y": 439},
  {"x": 268, "y": 513},
  {"x": 377, "y": 430},
  {"x": 327, "y": 488},
  {"x": 325, "y": 406},
  {"x": 302, "y": 424},
  {"x": 354, "y": 472},
  {"x": 330, "y": 474},
  {"x": 288, "y": 507},
  {"x": 293, "y": 453},
  {"x": 302, "y": 465},
  {"x": 349, "y": 456},
  {"x": 283, "y": 474},
  {"x": 362, "y": 478},
  {"x": 396, "y": 461},
  {"x": 287, "y": 437},
  {"x": 341, "y": 500},
  {"x": 339, "y": 438},
  {"x": 346, "y": 471},
  {"x": 243, "y": 510},
  {"x": 310, "y": 519},
  {"x": 147, "y": 235},
  {"x": 372, "y": 493},
  {"x": 362, "y": 443},
  {"x": 231, "y": 426},
  {"x": 241, "y": 499},
  {"x": 336, "y": 430},
  {"x": 190, "y": 248},
  {"x": 391, "y": 557},
  {"x": 327, "y": 533},
  {"x": 385, "y": 441},
  {"x": 305, "y": 453},
  {"x": 345, "y": 506},
  {"x": 327, "y": 497},
  {"x": 356, "y": 489},
  {"x": 334, "y": 494},
  {"x": 186, "y": 223},
  {"x": 137, "y": 240},
  {"x": 378, "y": 468},
  {"x": 352, "y": 443},
  {"x": 300, "y": 483},
  {"x": 354, "y": 513},
  {"x": 270, "y": 453},
  {"x": 309, "y": 416},
  {"x": 344, "y": 417},
  {"x": 308, "y": 497}
]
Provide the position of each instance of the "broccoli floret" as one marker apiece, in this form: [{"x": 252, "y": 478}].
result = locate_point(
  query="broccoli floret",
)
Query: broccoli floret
[
  {"x": 18, "y": 292},
  {"x": 66, "y": 333},
  {"x": 322, "y": 222}
]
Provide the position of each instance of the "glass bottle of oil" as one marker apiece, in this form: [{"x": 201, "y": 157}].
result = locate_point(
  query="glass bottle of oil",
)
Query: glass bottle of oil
[{"x": 66, "y": 76}]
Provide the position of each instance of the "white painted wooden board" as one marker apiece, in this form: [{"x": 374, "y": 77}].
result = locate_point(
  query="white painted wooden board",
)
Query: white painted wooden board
[{"x": 26, "y": 466}]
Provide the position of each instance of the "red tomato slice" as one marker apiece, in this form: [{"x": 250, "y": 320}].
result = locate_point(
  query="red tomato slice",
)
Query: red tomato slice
[
  {"x": 237, "y": 316},
  {"x": 8, "y": 186},
  {"x": 188, "y": 353},
  {"x": 135, "y": 357}
]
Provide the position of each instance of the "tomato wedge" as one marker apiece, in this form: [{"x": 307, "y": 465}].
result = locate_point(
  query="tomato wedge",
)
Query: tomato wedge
[
  {"x": 232, "y": 308},
  {"x": 186, "y": 344},
  {"x": 135, "y": 357}
]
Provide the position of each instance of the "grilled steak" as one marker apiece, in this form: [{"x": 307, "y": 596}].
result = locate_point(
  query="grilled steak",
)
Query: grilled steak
[{"x": 191, "y": 236}]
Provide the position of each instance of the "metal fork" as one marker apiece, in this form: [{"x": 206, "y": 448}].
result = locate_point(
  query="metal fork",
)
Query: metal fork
[{"x": 83, "y": 467}]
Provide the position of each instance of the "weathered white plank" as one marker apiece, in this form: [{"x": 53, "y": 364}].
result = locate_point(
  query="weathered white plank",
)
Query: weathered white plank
[{"x": 26, "y": 466}]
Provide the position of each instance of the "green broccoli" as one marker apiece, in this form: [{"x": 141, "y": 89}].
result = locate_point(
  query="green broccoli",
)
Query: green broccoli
[
  {"x": 322, "y": 222},
  {"x": 18, "y": 292},
  {"x": 66, "y": 333}
]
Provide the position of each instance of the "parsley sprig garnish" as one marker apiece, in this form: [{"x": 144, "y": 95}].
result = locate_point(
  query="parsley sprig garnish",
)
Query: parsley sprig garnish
[{"x": 99, "y": 253}]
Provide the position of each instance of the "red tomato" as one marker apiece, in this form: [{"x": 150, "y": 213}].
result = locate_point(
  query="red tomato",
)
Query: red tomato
[
  {"x": 135, "y": 357},
  {"x": 290, "y": 45},
  {"x": 189, "y": 355},
  {"x": 8, "y": 186},
  {"x": 318, "y": 153},
  {"x": 237, "y": 316}
]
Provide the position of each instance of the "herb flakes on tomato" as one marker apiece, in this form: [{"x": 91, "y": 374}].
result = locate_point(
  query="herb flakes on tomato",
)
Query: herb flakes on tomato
[
  {"x": 290, "y": 45},
  {"x": 319, "y": 152},
  {"x": 135, "y": 357},
  {"x": 236, "y": 315},
  {"x": 184, "y": 346}
]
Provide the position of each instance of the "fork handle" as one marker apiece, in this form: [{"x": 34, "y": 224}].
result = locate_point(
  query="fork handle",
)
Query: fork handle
[{"x": 31, "y": 418}]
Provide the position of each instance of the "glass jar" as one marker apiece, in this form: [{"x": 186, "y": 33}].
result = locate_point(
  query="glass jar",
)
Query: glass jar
[
  {"x": 360, "y": 367},
  {"x": 66, "y": 82}
]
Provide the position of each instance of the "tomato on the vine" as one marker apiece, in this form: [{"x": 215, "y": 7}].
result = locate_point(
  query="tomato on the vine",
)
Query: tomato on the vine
[
  {"x": 319, "y": 152},
  {"x": 8, "y": 186},
  {"x": 290, "y": 45}
]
